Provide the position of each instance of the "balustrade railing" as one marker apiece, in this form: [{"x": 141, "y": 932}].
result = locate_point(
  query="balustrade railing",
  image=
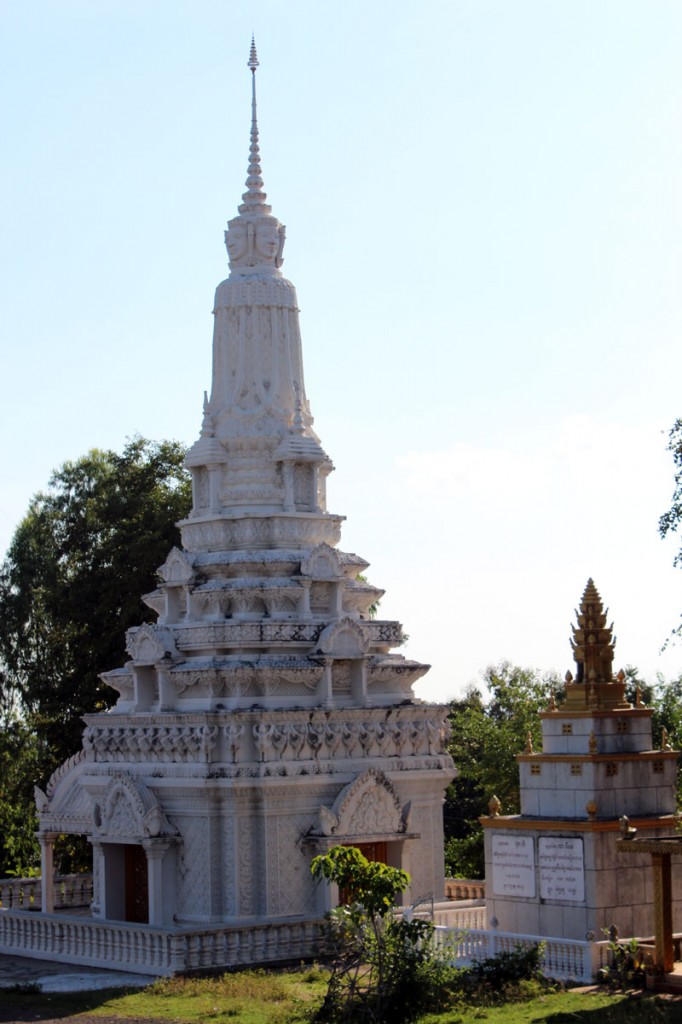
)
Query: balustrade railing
[
  {"x": 145, "y": 950},
  {"x": 460, "y": 933},
  {"x": 25, "y": 893},
  {"x": 564, "y": 959},
  {"x": 459, "y": 918},
  {"x": 464, "y": 889}
]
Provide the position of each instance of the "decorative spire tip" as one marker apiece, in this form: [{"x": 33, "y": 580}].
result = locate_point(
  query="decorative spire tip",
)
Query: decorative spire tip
[{"x": 253, "y": 57}]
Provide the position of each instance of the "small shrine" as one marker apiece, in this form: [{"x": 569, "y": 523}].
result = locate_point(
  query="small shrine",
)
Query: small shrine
[
  {"x": 554, "y": 870},
  {"x": 267, "y": 714}
]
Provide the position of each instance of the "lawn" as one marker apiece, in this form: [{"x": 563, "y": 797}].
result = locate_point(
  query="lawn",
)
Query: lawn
[{"x": 290, "y": 997}]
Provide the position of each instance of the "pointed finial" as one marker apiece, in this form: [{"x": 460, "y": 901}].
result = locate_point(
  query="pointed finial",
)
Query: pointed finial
[
  {"x": 254, "y": 197},
  {"x": 253, "y": 56}
]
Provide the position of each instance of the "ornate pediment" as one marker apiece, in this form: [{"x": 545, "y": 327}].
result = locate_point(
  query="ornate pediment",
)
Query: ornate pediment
[
  {"x": 148, "y": 644},
  {"x": 177, "y": 568},
  {"x": 343, "y": 639},
  {"x": 369, "y": 806},
  {"x": 130, "y": 811},
  {"x": 322, "y": 563}
]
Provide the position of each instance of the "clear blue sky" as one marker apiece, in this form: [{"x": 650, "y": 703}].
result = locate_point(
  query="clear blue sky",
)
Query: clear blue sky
[{"x": 483, "y": 218}]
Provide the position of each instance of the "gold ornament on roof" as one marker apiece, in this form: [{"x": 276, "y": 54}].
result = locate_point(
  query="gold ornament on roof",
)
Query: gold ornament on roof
[
  {"x": 494, "y": 807},
  {"x": 529, "y": 743},
  {"x": 593, "y": 743},
  {"x": 665, "y": 743},
  {"x": 593, "y": 646},
  {"x": 591, "y": 808}
]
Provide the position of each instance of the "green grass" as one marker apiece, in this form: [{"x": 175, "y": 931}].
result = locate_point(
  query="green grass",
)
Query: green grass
[{"x": 286, "y": 997}]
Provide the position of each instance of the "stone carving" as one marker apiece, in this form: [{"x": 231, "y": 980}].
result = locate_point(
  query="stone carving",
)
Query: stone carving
[
  {"x": 322, "y": 563},
  {"x": 130, "y": 810},
  {"x": 343, "y": 639},
  {"x": 234, "y": 735},
  {"x": 246, "y": 867},
  {"x": 177, "y": 568},
  {"x": 349, "y": 737},
  {"x": 120, "y": 679},
  {"x": 369, "y": 806},
  {"x": 63, "y": 770},
  {"x": 149, "y": 644}
]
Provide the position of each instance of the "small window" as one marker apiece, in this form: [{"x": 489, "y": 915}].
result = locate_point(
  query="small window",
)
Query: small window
[
  {"x": 567, "y": 729},
  {"x": 536, "y": 769},
  {"x": 611, "y": 769},
  {"x": 657, "y": 767},
  {"x": 622, "y": 725},
  {"x": 576, "y": 769}
]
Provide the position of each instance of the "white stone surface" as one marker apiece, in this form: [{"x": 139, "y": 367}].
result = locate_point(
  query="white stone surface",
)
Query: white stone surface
[{"x": 265, "y": 715}]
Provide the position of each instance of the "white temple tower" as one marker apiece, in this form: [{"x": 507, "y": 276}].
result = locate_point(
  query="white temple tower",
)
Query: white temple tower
[{"x": 262, "y": 718}]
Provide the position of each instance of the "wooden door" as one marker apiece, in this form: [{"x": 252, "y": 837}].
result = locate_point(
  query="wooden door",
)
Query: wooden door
[{"x": 137, "y": 885}]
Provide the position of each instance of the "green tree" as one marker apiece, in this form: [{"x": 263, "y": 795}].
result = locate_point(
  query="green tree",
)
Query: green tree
[
  {"x": 383, "y": 968},
  {"x": 19, "y": 760},
  {"x": 487, "y": 734},
  {"x": 72, "y": 583},
  {"x": 671, "y": 520}
]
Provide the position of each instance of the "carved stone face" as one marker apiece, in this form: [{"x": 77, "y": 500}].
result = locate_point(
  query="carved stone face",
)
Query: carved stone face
[
  {"x": 267, "y": 240},
  {"x": 235, "y": 240}
]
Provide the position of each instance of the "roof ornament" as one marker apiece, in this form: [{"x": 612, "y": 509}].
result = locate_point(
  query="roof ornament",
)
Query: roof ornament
[
  {"x": 254, "y": 239},
  {"x": 254, "y": 197}
]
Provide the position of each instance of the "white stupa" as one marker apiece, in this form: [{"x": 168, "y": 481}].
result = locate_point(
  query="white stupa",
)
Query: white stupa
[{"x": 262, "y": 718}]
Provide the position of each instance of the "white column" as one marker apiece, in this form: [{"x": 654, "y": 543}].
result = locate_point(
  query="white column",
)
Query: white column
[
  {"x": 288, "y": 481},
  {"x": 214, "y": 475},
  {"x": 327, "y": 690},
  {"x": 156, "y": 850},
  {"x": 304, "y": 600},
  {"x": 46, "y": 840}
]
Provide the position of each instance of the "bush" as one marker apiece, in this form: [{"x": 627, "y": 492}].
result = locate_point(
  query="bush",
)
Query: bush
[{"x": 382, "y": 968}]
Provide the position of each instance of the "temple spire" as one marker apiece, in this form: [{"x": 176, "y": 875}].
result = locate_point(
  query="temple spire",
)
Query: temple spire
[
  {"x": 254, "y": 197},
  {"x": 593, "y": 641}
]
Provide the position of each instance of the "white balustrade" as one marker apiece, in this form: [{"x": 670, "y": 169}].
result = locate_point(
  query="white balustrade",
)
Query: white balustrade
[
  {"x": 25, "y": 893},
  {"x": 145, "y": 950},
  {"x": 563, "y": 959}
]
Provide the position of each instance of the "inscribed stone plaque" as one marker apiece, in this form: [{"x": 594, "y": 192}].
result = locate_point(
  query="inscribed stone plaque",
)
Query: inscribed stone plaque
[
  {"x": 513, "y": 866},
  {"x": 562, "y": 869}
]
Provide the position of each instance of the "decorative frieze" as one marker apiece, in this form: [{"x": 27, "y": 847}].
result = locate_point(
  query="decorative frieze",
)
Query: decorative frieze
[{"x": 271, "y": 739}]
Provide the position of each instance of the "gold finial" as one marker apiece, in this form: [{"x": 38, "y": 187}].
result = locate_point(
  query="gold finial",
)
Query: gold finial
[
  {"x": 494, "y": 806},
  {"x": 593, "y": 742},
  {"x": 592, "y": 698},
  {"x": 552, "y": 701},
  {"x": 638, "y": 697},
  {"x": 591, "y": 808},
  {"x": 665, "y": 744},
  {"x": 529, "y": 743}
]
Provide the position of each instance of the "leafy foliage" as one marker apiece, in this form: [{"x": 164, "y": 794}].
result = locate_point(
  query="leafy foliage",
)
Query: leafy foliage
[
  {"x": 72, "y": 583},
  {"x": 382, "y": 968},
  {"x": 626, "y": 963},
  {"x": 671, "y": 520},
  {"x": 487, "y": 734},
  {"x": 523, "y": 963},
  {"x": 19, "y": 759}
]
